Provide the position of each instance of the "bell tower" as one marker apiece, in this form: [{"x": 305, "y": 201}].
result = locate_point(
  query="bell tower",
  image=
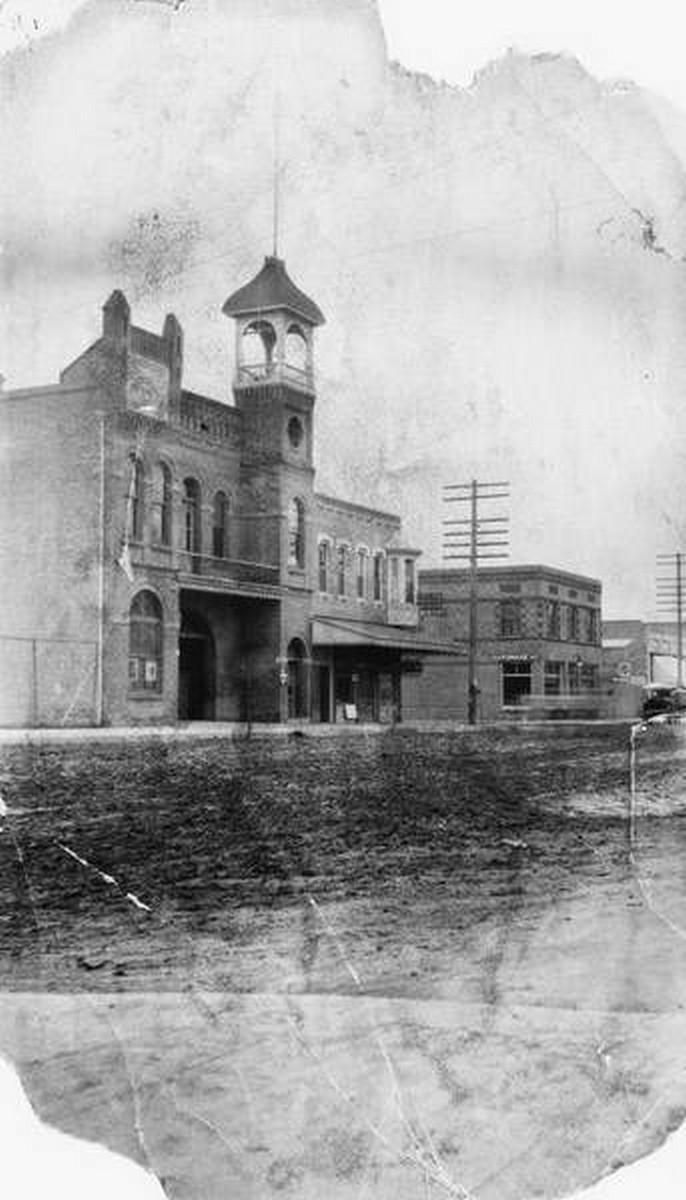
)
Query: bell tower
[
  {"x": 275, "y": 391},
  {"x": 274, "y": 380}
]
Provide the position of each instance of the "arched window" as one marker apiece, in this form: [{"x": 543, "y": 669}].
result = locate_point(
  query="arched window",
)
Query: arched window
[
  {"x": 297, "y": 689},
  {"x": 192, "y": 514},
  {"x": 341, "y": 565},
  {"x": 361, "y": 574},
  {"x": 220, "y": 526},
  {"x": 324, "y": 566},
  {"x": 145, "y": 643},
  {"x": 163, "y": 504},
  {"x": 296, "y": 533},
  {"x": 136, "y": 499}
]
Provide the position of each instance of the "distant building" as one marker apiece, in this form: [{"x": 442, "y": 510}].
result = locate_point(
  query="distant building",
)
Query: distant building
[
  {"x": 538, "y": 651},
  {"x": 645, "y": 652},
  {"x": 165, "y": 556}
]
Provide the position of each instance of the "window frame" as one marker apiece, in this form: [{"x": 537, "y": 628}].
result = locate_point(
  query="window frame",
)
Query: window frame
[{"x": 146, "y": 644}]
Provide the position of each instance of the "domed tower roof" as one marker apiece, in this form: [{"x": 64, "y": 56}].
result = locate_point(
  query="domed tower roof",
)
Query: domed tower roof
[{"x": 272, "y": 288}]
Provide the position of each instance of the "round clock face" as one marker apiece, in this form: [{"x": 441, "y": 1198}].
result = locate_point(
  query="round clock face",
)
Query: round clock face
[{"x": 296, "y": 433}]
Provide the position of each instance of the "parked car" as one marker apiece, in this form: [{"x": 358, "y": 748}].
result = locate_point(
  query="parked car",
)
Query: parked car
[{"x": 661, "y": 698}]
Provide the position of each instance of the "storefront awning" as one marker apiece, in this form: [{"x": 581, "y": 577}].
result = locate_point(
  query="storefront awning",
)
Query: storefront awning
[{"x": 330, "y": 632}]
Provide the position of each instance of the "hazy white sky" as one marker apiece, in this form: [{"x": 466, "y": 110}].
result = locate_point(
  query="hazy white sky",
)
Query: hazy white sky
[{"x": 451, "y": 40}]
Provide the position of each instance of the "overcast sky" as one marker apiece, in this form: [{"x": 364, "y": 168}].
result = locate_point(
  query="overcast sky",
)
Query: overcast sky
[{"x": 451, "y": 40}]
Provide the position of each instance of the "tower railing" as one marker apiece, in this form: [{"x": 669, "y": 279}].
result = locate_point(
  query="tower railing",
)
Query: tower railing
[{"x": 248, "y": 374}]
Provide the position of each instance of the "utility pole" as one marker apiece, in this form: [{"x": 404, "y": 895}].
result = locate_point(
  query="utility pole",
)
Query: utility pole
[
  {"x": 670, "y": 594},
  {"x": 473, "y": 539}
]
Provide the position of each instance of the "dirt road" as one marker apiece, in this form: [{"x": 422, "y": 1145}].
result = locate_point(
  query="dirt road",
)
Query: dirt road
[{"x": 379, "y": 968}]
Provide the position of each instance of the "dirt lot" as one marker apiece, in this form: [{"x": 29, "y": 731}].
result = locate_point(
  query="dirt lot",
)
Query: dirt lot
[{"x": 366, "y": 965}]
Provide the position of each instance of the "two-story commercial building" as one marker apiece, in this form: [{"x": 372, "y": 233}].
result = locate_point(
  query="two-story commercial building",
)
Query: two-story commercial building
[
  {"x": 165, "y": 556},
  {"x": 537, "y": 645}
]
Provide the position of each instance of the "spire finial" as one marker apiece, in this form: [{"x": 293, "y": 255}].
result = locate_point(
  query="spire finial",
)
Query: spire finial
[{"x": 277, "y": 169}]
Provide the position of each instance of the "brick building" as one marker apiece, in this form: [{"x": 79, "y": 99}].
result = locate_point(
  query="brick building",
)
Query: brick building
[
  {"x": 538, "y": 649},
  {"x": 166, "y": 557}
]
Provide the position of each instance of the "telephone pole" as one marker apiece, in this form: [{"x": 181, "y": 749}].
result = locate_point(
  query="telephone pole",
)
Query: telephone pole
[
  {"x": 670, "y": 595},
  {"x": 474, "y": 538}
]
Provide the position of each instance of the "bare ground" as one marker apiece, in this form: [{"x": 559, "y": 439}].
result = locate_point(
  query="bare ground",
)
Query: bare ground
[{"x": 367, "y": 966}]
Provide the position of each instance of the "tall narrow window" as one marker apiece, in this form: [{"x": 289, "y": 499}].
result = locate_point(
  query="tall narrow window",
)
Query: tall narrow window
[
  {"x": 361, "y": 574},
  {"x": 166, "y": 506},
  {"x": 136, "y": 513},
  {"x": 409, "y": 581},
  {"x": 296, "y": 533},
  {"x": 573, "y": 623},
  {"x": 220, "y": 526},
  {"x": 323, "y": 566},
  {"x": 192, "y": 516},
  {"x": 393, "y": 566},
  {"x": 553, "y": 622},
  {"x": 510, "y": 618},
  {"x": 378, "y": 577},
  {"x": 341, "y": 561},
  {"x": 145, "y": 643}
]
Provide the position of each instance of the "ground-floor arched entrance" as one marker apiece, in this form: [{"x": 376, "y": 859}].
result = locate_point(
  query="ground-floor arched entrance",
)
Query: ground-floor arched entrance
[{"x": 197, "y": 668}]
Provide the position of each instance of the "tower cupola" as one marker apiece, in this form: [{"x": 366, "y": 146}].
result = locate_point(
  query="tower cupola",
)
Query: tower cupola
[{"x": 275, "y": 325}]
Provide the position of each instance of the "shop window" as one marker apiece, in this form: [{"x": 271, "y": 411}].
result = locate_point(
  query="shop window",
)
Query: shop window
[
  {"x": 574, "y": 676},
  {"x": 516, "y": 681},
  {"x": 510, "y": 618},
  {"x": 296, "y": 533},
  {"x": 145, "y": 643},
  {"x": 192, "y": 514},
  {"x": 220, "y": 526},
  {"x": 589, "y": 677},
  {"x": 323, "y": 566},
  {"x": 552, "y": 679}
]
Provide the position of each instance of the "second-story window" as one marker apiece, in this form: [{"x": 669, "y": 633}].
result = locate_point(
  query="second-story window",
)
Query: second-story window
[
  {"x": 166, "y": 504},
  {"x": 573, "y": 623},
  {"x": 136, "y": 499},
  {"x": 393, "y": 584},
  {"x": 553, "y": 622},
  {"x": 341, "y": 562},
  {"x": 220, "y": 526},
  {"x": 378, "y": 577},
  {"x": 192, "y": 514},
  {"x": 296, "y": 533},
  {"x": 409, "y": 581},
  {"x": 323, "y": 566},
  {"x": 361, "y": 574},
  {"x": 510, "y": 618}
]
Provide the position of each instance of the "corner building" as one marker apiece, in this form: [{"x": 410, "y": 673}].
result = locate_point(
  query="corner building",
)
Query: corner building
[
  {"x": 538, "y": 646},
  {"x": 165, "y": 557}
]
